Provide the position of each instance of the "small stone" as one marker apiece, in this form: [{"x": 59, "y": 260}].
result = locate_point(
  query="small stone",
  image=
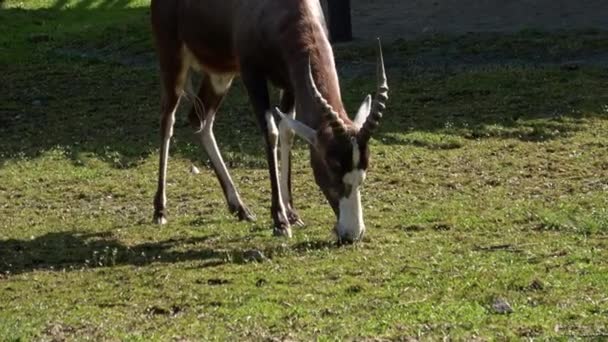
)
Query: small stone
[
  {"x": 38, "y": 38},
  {"x": 536, "y": 285},
  {"x": 217, "y": 281},
  {"x": 194, "y": 170},
  {"x": 442, "y": 226},
  {"x": 253, "y": 255},
  {"x": 156, "y": 310},
  {"x": 261, "y": 282},
  {"x": 501, "y": 306},
  {"x": 354, "y": 289},
  {"x": 571, "y": 66}
]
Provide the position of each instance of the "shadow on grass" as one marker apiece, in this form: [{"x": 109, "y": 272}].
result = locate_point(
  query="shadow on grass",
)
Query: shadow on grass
[
  {"x": 94, "y": 92},
  {"x": 91, "y": 4},
  {"x": 69, "y": 251}
]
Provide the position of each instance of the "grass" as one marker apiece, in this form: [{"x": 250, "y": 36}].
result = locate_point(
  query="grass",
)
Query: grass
[{"x": 486, "y": 183}]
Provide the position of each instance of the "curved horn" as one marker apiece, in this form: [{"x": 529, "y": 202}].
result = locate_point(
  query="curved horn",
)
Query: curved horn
[
  {"x": 379, "y": 102},
  {"x": 336, "y": 123}
]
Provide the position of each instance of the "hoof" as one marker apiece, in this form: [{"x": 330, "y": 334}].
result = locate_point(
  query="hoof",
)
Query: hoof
[
  {"x": 281, "y": 226},
  {"x": 282, "y": 232},
  {"x": 160, "y": 219},
  {"x": 242, "y": 212},
  {"x": 294, "y": 218}
]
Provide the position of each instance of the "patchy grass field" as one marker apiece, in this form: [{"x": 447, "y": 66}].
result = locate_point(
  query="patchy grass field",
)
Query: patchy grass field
[{"x": 488, "y": 185}]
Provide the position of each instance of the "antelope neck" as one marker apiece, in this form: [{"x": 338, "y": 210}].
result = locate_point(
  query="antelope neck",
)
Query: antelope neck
[{"x": 326, "y": 79}]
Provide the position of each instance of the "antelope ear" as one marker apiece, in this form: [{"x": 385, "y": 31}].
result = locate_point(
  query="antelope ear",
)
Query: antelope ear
[
  {"x": 363, "y": 112},
  {"x": 301, "y": 130}
]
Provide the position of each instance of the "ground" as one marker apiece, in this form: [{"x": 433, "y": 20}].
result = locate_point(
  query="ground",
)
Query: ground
[
  {"x": 485, "y": 202},
  {"x": 394, "y": 19}
]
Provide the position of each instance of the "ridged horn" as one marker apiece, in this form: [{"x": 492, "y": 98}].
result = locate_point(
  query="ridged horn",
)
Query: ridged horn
[
  {"x": 336, "y": 123},
  {"x": 379, "y": 102}
]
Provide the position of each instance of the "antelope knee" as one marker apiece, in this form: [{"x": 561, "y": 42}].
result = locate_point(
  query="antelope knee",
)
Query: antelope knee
[{"x": 273, "y": 131}]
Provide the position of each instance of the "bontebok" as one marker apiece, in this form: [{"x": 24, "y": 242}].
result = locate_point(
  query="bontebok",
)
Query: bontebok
[{"x": 283, "y": 42}]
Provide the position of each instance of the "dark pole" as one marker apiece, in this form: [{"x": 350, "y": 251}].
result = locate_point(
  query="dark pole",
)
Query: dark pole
[{"x": 340, "y": 27}]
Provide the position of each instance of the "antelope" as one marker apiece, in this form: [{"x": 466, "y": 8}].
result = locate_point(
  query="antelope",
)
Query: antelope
[{"x": 285, "y": 43}]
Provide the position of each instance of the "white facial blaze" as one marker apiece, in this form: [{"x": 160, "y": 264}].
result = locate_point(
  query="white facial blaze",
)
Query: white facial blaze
[
  {"x": 350, "y": 223},
  {"x": 356, "y": 153}
]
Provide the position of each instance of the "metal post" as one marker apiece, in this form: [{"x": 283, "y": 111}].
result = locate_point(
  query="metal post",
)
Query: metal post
[{"x": 340, "y": 26}]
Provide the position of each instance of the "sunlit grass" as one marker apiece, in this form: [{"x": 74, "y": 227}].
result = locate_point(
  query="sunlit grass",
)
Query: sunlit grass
[{"x": 485, "y": 184}]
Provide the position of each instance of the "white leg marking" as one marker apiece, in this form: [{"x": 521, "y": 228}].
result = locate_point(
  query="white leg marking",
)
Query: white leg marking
[
  {"x": 164, "y": 159},
  {"x": 273, "y": 131},
  {"x": 273, "y": 135},
  {"x": 168, "y": 133},
  {"x": 210, "y": 145},
  {"x": 286, "y": 142},
  {"x": 165, "y": 152}
]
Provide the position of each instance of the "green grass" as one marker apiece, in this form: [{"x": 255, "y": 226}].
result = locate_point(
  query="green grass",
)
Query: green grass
[{"x": 485, "y": 183}]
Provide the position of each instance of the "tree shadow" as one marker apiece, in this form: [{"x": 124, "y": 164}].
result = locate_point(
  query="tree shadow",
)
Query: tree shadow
[
  {"x": 94, "y": 93},
  {"x": 530, "y": 86},
  {"x": 91, "y": 4},
  {"x": 72, "y": 250},
  {"x": 529, "y": 112},
  {"x": 533, "y": 129}
]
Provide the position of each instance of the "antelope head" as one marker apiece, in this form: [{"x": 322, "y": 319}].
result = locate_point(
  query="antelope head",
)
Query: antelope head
[{"x": 340, "y": 153}]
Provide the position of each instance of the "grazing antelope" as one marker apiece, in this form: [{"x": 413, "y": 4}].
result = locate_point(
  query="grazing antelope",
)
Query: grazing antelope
[{"x": 284, "y": 42}]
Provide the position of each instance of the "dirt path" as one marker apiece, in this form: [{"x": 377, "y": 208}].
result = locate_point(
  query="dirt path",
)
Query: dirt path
[{"x": 408, "y": 19}]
